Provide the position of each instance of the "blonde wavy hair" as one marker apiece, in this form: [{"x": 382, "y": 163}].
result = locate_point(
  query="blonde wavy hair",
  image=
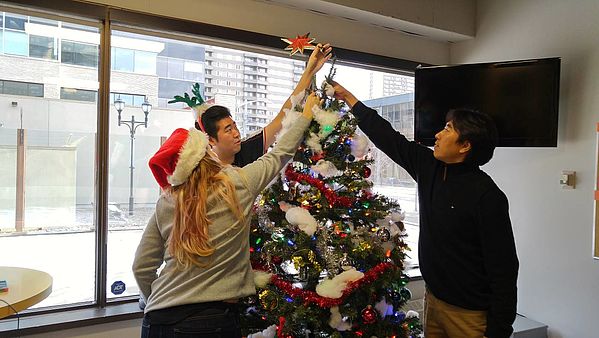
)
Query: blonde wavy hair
[{"x": 190, "y": 236}]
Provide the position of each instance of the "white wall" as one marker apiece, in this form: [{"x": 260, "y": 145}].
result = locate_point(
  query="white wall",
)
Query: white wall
[{"x": 559, "y": 280}]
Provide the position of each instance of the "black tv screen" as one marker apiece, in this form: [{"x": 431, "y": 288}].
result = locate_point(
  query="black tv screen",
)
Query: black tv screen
[{"x": 521, "y": 96}]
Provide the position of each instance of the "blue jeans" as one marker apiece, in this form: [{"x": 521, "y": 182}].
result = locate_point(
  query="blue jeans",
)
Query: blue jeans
[{"x": 211, "y": 322}]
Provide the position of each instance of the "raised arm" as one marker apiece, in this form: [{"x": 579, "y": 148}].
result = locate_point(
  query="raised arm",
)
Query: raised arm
[
  {"x": 320, "y": 55},
  {"x": 263, "y": 170},
  {"x": 408, "y": 154}
]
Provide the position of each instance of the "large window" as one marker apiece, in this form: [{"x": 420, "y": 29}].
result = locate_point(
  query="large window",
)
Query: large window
[
  {"x": 49, "y": 88},
  {"x": 392, "y": 96},
  {"x": 47, "y": 151}
]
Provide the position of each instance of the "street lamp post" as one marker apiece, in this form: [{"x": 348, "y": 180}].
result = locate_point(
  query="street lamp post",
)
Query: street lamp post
[{"x": 146, "y": 107}]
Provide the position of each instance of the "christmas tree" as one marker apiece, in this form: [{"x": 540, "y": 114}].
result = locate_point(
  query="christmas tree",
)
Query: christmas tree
[{"x": 327, "y": 252}]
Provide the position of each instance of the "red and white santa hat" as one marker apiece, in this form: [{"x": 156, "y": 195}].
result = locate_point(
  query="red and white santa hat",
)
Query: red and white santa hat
[{"x": 178, "y": 157}]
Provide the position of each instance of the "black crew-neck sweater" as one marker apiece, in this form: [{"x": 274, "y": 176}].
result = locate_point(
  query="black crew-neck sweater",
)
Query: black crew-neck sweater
[{"x": 467, "y": 254}]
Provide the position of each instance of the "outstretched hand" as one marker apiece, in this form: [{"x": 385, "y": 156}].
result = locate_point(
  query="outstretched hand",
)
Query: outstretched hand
[
  {"x": 343, "y": 94},
  {"x": 320, "y": 55},
  {"x": 311, "y": 101}
]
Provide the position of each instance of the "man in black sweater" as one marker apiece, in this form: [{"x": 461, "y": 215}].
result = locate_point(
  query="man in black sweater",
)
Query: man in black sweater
[{"x": 467, "y": 253}]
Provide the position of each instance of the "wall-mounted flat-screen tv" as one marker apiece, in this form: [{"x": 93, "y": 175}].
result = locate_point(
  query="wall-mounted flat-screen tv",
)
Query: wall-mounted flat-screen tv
[{"x": 521, "y": 96}]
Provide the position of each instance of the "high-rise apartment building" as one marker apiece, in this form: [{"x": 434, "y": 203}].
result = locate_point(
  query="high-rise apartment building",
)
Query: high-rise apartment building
[
  {"x": 384, "y": 85},
  {"x": 253, "y": 86}
]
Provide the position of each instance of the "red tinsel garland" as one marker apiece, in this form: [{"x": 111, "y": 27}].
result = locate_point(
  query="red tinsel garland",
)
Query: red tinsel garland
[
  {"x": 331, "y": 196},
  {"x": 325, "y": 302}
]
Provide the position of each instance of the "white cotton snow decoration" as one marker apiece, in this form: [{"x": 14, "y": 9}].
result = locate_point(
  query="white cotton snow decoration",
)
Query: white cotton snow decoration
[
  {"x": 329, "y": 90},
  {"x": 302, "y": 218},
  {"x": 313, "y": 142},
  {"x": 326, "y": 119},
  {"x": 261, "y": 278},
  {"x": 389, "y": 222},
  {"x": 382, "y": 222},
  {"x": 397, "y": 216},
  {"x": 359, "y": 145},
  {"x": 333, "y": 288},
  {"x": 412, "y": 314},
  {"x": 326, "y": 169},
  {"x": 269, "y": 332},
  {"x": 394, "y": 230},
  {"x": 337, "y": 322},
  {"x": 388, "y": 246}
]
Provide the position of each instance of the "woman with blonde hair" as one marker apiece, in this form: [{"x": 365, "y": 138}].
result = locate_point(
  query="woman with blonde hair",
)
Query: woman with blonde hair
[{"x": 205, "y": 247}]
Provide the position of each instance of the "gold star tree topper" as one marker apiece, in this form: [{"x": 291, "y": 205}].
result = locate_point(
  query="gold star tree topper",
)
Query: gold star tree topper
[{"x": 299, "y": 43}]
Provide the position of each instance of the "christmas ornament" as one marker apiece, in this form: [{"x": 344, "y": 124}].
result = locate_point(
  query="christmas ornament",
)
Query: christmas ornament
[
  {"x": 304, "y": 273},
  {"x": 398, "y": 317},
  {"x": 366, "y": 173},
  {"x": 345, "y": 263},
  {"x": 268, "y": 300},
  {"x": 299, "y": 43},
  {"x": 405, "y": 293},
  {"x": 400, "y": 225},
  {"x": 383, "y": 234},
  {"x": 394, "y": 295},
  {"x": 277, "y": 235},
  {"x": 369, "y": 315}
]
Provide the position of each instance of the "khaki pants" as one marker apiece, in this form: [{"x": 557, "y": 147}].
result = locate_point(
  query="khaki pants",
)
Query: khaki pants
[{"x": 442, "y": 320}]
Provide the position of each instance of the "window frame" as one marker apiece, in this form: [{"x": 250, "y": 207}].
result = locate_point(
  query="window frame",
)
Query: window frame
[{"x": 111, "y": 18}]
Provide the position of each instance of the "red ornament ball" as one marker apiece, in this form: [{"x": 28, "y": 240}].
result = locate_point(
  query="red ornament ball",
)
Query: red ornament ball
[
  {"x": 369, "y": 315},
  {"x": 366, "y": 173}
]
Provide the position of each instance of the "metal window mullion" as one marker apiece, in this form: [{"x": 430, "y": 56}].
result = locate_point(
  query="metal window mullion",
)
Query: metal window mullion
[{"x": 102, "y": 150}]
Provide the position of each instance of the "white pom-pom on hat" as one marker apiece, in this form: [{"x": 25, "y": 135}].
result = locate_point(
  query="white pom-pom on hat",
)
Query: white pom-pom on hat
[{"x": 178, "y": 156}]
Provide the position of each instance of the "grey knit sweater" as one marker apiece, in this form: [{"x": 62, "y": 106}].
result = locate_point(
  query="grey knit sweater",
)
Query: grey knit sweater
[{"x": 229, "y": 274}]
